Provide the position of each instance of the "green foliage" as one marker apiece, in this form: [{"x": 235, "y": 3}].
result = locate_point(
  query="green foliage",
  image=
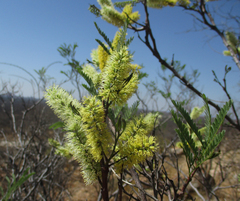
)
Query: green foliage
[
  {"x": 232, "y": 39},
  {"x": 142, "y": 75},
  {"x": 91, "y": 88},
  {"x": 195, "y": 156},
  {"x": 60, "y": 150},
  {"x": 57, "y": 125},
  {"x": 67, "y": 51},
  {"x": 103, "y": 46},
  {"x": 104, "y": 36},
  {"x": 194, "y": 132},
  {"x": 93, "y": 9},
  {"x": 14, "y": 184}
]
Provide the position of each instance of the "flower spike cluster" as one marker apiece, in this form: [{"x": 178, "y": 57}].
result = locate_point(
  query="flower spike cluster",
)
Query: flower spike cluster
[
  {"x": 98, "y": 136},
  {"x": 164, "y": 3},
  {"x": 68, "y": 109},
  {"x": 134, "y": 144},
  {"x": 120, "y": 77},
  {"x": 102, "y": 57},
  {"x": 113, "y": 79},
  {"x": 111, "y": 15}
]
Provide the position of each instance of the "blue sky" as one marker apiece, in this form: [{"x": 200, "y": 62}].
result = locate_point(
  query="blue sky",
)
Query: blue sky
[{"x": 31, "y": 32}]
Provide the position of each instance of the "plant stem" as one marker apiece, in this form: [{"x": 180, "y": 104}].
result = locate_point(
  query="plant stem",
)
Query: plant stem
[{"x": 105, "y": 170}]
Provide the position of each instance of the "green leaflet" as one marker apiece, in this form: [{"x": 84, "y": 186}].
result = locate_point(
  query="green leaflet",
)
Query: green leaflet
[
  {"x": 104, "y": 37},
  {"x": 189, "y": 121},
  {"x": 57, "y": 125},
  {"x": 186, "y": 140},
  {"x": 123, "y": 33},
  {"x": 210, "y": 140},
  {"x": 12, "y": 187},
  {"x": 128, "y": 42},
  {"x": 122, "y": 113},
  {"x": 103, "y": 46},
  {"x": 91, "y": 89},
  {"x": 213, "y": 138}
]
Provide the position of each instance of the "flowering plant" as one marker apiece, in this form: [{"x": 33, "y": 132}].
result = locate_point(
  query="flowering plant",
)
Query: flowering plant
[{"x": 102, "y": 133}]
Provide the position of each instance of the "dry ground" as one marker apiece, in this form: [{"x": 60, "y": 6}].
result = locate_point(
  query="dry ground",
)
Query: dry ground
[
  {"x": 230, "y": 166},
  {"x": 230, "y": 157}
]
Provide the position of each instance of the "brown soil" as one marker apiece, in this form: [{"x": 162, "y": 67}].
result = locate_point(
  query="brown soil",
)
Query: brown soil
[
  {"x": 78, "y": 189},
  {"x": 230, "y": 157}
]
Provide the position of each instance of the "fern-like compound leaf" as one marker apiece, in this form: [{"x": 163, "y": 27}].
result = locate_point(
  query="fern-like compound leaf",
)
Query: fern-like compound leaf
[
  {"x": 93, "y": 9},
  {"x": 129, "y": 112},
  {"x": 91, "y": 89},
  {"x": 104, "y": 36},
  {"x": 208, "y": 152},
  {"x": 186, "y": 135},
  {"x": 220, "y": 117},
  {"x": 208, "y": 120},
  {"x": 190, "y": 122},
  {"x": 133, "y": 110},
  {"x": 123, "y": 33},
  {"x": 103, "y": 46},
  {"x": 186, "y": 149},
  {"x": 129, "y": 41},
  {"x": 186, "y": 139},
  {"x": 213, "y": 138}
]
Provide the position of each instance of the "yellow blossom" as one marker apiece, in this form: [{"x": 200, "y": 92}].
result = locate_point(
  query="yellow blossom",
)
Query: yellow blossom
[
  {"x": 102, "y": 57},
  {"x": 98, "y": 136},
  {"x": 120, "y": 77}
]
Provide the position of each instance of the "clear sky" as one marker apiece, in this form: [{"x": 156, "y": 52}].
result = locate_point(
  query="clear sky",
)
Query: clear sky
[{"x": 31, "y": 32}]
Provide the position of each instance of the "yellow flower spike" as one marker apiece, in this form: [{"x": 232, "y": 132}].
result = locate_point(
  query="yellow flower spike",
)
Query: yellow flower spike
[
  {"x": 67, "y": 109},
  {"x": 128, "y": 14},
  {"x": 105, "y": 2},
  {"x": 184, "y": 2},
  {"x": 63, "y": 104},
  {"x": 163, "y": 3},
  {"x": 196, "y": 112},
  {"x": 102, "y": 57},
  {"x": 119, "y": 78},
  {"x": 112, "y": 16},
  {"x": 94, "y": 56},
  {"x": 127, "y": 10},
  {"x": 116, "y": 40},
  {"x": 98, "y": 136},
  {"x": 135, "y": 144}
]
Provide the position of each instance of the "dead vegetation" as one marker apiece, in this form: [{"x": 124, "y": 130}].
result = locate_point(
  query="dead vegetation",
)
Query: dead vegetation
[{"x": 24, "y": 143}]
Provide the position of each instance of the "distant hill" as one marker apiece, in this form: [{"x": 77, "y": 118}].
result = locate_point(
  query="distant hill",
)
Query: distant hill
[
  {"x": 165, "y": 131},
  {"x": 20, "y": 105}
]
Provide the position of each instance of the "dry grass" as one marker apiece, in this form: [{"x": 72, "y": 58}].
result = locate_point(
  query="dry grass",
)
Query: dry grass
[{"x": 230, "y": 168}]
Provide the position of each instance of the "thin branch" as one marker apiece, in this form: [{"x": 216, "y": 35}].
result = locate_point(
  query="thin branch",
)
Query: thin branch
[{"x": 155, "y": 52}]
